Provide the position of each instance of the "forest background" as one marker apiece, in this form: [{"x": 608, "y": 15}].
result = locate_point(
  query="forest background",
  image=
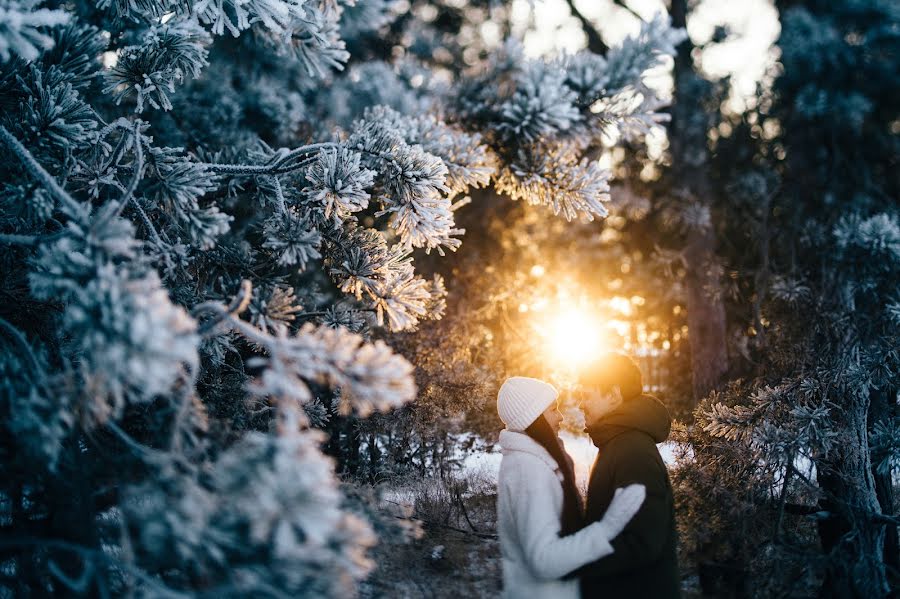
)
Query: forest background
[{"x": 265, "y": 264}]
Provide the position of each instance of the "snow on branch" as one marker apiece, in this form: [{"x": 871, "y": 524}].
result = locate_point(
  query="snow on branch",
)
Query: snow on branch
[
  {"x": 150, "y": 70},
  {"x": 555, "y": 177},
  {"x": 369, "y": 375},
  {"x": 542, "y": 115},
  {"x": 22, "y": 28}
]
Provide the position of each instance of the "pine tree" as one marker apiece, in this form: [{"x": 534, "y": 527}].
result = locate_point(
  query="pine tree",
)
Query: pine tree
[
  {"x": 786, "y": 476},
  {"x": 204, "y": 229},
  {"x": 808, "y": 430}
]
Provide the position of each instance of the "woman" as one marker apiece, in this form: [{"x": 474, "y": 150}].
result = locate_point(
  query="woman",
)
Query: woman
[{"x": 539, "y": 510}]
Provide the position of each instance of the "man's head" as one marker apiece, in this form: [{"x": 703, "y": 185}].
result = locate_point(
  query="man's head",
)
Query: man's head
[{"x": 607, "y": 383}]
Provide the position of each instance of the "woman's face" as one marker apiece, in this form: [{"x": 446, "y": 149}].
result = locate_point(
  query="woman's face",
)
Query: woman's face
[{"x": 553, "y": 416}]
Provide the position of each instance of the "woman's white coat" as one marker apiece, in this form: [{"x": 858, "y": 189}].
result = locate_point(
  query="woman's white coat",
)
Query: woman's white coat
[{"x": 529, "y": 507}]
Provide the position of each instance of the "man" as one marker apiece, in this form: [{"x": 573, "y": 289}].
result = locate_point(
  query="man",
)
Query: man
[{"x": 625, "y": 424}]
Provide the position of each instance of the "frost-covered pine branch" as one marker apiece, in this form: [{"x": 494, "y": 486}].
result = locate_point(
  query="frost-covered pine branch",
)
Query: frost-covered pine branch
[
  {"x": 540, "y": 115},
  {"x": 22, "y": 28},
  {"x": 153, "y": 165},
  {"x": 149, "y": 70}
]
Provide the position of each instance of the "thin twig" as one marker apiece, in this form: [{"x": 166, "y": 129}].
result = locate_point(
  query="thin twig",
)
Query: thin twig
[
  {"x": 238, "y": 304},
  {"x": 465, "y": 512},
  {"x": 789, "y": 470},
  {"x": 624, "y": 5},
  {"x": 19, "y": 338},
  {"x": 42, "y": 176},
  {"x": 117, "y": 152},
  {"x": 135, "y": 179},
  {"x": 184, "y": 404},
  {"x": 249, "y": 331},
  {"x": 280, "y": 165},
  {"x": 150, "y": 454},
  {"x": 474, "y": 533},
  {"x": 147, "y": 223},
  {"x": 31, "y": 240},
  {"x": 480, "y": 535},
  {"x": 14, "y": 239},
  {"x": 279, "y": 194},
  {"x": 595, "y": 42},
  {"x": 326, "y": 312}
]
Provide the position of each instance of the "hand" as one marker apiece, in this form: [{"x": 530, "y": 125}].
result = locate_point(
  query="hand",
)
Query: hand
[{"x": 625, "y": 504}]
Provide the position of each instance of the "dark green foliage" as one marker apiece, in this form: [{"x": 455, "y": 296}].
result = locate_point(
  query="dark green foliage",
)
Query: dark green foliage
[{"x": 190, "y": 295}]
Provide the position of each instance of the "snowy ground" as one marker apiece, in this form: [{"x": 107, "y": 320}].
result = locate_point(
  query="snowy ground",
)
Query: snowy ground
[
  {"x": 580, "y": 448},
  {"x": 459, "y": 555},
  {"x": 484, "y": 466},
  {"x": 583, "y": 453}
]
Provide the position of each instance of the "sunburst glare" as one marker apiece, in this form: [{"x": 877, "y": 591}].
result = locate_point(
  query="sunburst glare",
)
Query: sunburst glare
[{"x": 574, "y": 336}]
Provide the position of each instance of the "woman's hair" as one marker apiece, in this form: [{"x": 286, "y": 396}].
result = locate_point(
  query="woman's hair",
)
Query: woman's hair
[{"x": 572, "y": 518}]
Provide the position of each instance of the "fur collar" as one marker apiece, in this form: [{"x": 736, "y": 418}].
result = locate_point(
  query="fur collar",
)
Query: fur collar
[{"x": 512, "y": 441}]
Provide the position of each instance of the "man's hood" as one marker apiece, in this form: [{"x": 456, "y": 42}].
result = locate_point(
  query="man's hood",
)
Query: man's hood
[{"x": 644, "y": 413}]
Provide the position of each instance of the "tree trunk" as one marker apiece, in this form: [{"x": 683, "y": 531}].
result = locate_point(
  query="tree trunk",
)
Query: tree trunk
[
  {"x": 374, "y": 456},
  {"x": 705, "y": 314},
  {"x": 354, "y": 441},
  {"x": 852, "y": 540},
  {"x": 883, "y": 409},
  {"x": 705, "y": 303}
]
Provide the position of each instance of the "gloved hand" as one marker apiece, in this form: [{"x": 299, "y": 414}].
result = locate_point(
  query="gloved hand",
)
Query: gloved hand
[{"x": 625, "y": 504}]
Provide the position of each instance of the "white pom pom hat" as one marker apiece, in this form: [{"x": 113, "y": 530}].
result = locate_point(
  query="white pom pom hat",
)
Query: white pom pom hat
[{"x": 522, "y": 399}]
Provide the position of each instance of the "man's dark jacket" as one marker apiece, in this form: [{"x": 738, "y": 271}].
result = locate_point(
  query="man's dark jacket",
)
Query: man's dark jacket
[{"x": 645, "y": 564}]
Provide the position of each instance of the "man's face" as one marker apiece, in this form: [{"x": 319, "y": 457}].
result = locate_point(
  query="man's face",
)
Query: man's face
[{"x": 597, "y": 402}]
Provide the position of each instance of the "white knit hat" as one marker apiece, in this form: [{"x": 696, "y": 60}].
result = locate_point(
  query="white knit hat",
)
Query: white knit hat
[{"x": 522, "y": 399}]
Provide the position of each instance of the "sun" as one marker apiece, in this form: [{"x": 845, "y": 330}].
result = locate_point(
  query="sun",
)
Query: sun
[{"x": 575, "y": 337}]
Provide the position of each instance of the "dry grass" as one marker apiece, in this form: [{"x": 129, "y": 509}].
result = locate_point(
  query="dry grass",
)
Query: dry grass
[{"x": 458, "y": 555}]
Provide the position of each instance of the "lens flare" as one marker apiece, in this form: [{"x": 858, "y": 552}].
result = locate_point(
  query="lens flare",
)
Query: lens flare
[{"x": 574, "y": 337}]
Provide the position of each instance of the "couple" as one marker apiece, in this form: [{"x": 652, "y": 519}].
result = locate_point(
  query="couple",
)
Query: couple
[{"x": 623, "y": 543}]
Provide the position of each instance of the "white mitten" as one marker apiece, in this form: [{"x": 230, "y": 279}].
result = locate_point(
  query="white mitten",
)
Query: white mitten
[{"x": 625, "y": 504}]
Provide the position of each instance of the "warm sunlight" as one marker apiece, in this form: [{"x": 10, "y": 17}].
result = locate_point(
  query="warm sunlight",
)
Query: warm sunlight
[
  {"x": 575, "y": 337},
  {"x": 389, "y": 298}
]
